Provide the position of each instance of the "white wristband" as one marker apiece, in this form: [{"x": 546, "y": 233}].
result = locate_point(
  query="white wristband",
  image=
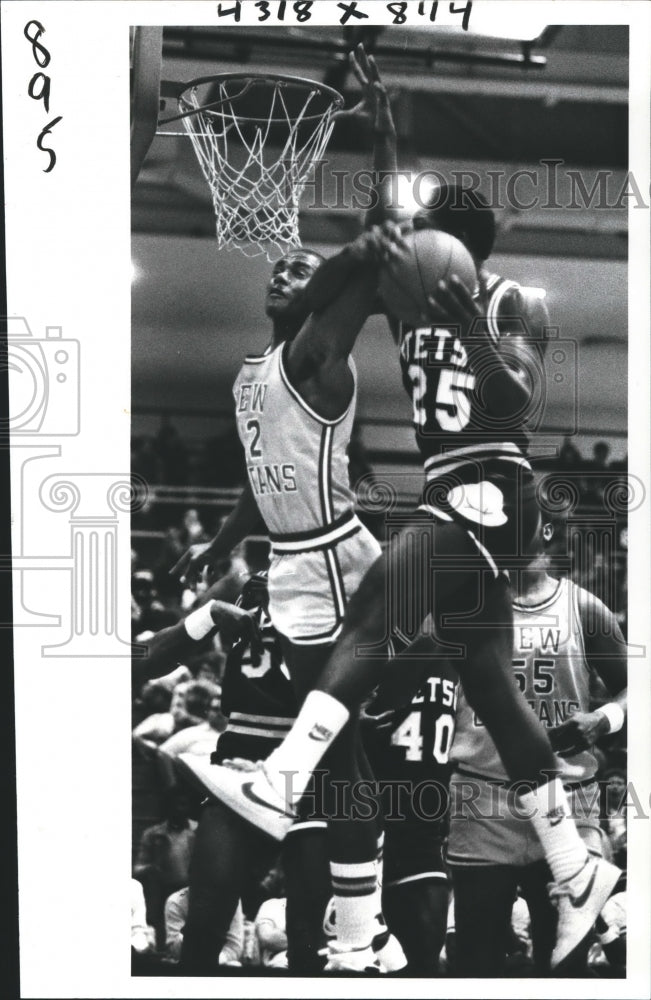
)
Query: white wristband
[
  {"x": 200, "y": 623},
  {"x": 615, "y": 715}
]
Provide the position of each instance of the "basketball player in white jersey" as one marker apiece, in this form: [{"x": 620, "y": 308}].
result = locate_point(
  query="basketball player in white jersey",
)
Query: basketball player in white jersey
[
  {"x": 295, "y": 405},
  {"x": 471, "y": 396},
  {"x": 563, "y": 638}
]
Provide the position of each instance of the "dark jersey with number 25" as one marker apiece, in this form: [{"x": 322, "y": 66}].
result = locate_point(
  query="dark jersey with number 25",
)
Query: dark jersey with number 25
[{"x": 449, "y": 420}]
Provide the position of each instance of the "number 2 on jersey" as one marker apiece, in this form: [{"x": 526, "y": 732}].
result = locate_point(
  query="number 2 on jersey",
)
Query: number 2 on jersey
[{"x": 253, "y": 428}]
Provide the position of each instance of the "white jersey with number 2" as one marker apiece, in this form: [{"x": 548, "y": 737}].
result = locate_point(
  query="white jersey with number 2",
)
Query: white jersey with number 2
[{"x": 297, "y": 466}]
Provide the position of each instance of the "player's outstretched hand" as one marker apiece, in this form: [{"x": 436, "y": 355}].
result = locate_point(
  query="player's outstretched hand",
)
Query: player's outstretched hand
[
  {"x": 378, "y": 245},
  {"x": 374, "y": 106},
  {"x": 580, "y": 732},
  {"x": 452, "y": 303},
  {"x": 241, "y": 764},
  {"x": 234, "y": 623},
  {"x": 192, "y": 563}
]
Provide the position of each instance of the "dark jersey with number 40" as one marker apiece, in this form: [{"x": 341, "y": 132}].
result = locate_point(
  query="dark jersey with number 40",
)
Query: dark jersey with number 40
[
  {"x": 449, "y": 420},
  {"x": 417, "y": 746}
]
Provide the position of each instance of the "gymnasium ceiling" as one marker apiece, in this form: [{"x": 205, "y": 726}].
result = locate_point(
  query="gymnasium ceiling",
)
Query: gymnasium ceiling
[{"x": 460, "y": 102}]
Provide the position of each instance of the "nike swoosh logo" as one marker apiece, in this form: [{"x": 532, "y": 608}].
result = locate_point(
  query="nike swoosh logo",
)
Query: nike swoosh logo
[
  {"x": 578, "y": 901},
  {"x": 319, "y": 734},
  {"x": 247, "y": 791}
]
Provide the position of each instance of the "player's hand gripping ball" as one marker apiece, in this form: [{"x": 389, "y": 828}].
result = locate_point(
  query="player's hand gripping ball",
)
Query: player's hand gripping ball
[{"x": 409, "y": 277}]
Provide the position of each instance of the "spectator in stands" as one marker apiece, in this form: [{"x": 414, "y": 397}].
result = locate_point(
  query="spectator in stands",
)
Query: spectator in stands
[
  {"x": 614, "y": 819},
  {"x": 176, "y": 912},
  {"x": 147, "y": 612},
  {"x": 143, "y": 938},
  {"x": 600, "y": 456},
  {"x": 193, "y": 531},
  {"x": 611, "y": 933},
  {"x": 190, "y": 703},
  {"x": 163, "y": 859},
  {"x": 210, "y": 667},
  {"x": 569, "y": 457},
  {"x": 598, "y": 474},
  {"x": 270, "y": 924},
  {"x": 199, "y": 740},
  {"x": 157, "y": 722}
]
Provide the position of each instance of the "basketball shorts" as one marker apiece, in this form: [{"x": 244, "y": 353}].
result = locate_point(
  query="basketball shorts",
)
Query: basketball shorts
[
  {"x": 413, "y": 852},
  {"x": 309, "y": 589},
  {"x": 488, "y": 825},
  {"x": 494, "y": 502},
  {"x": 414, "y": 802}
]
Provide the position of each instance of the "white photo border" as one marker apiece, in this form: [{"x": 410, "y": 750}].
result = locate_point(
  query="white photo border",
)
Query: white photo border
[{"x": 68, "y": 267}]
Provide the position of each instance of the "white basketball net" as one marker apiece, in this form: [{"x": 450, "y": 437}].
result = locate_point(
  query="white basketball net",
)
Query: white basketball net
[{"x": 257, "y": 167}]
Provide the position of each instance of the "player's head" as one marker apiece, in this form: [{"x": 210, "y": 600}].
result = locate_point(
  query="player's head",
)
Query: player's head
[
  {"x": 289, "y": 278},
  {"x": 540, "y": 536},
  {"x": 197, "y": 699},
  {"x": 462, "y": 213},
  {"x": 142, "y": 587}
]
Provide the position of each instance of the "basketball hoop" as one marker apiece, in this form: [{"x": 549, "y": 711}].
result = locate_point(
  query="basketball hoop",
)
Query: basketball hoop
[{"x": 256, "y": 138}]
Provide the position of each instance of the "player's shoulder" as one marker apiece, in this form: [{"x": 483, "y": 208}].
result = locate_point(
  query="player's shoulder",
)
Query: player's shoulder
[
  {"x": 590, "y": 607},
  {"x": 261, "y": 357},
  {"x": 516, "y": 309}
]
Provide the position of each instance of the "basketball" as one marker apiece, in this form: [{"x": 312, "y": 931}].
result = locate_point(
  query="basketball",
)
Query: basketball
[{"x": 408, "y": 279}]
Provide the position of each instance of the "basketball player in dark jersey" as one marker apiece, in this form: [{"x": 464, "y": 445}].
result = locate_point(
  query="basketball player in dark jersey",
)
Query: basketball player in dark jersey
[
  {"x": 229, "y": 854},
  {"x": 477, "y": 515},
  {"x": 408, "y": 737}
]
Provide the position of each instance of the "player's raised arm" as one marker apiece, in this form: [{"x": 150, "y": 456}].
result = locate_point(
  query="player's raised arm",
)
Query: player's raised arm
[
  {"x": 178, "y": 640},
  {"x": 506, "y": 364},
  {"x": 605, "y": 652},
  {"x": 243, "y": 520},
  {"x": 341, "y": 296},
  {"x": 375, "y": 107}
]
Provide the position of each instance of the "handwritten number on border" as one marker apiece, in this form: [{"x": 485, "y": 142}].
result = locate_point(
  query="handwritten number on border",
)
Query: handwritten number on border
[{"x": 39, "y": 86}]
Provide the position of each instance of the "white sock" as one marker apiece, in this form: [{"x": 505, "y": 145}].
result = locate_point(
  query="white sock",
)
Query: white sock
[
  {"x": 354, "y": 887},
  {"x": 548, "y": 809},
  {"x": 319, "y": 721}
]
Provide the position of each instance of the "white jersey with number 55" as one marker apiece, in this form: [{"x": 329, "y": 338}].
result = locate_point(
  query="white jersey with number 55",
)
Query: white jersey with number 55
[{"x": 550, "y": 666}]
